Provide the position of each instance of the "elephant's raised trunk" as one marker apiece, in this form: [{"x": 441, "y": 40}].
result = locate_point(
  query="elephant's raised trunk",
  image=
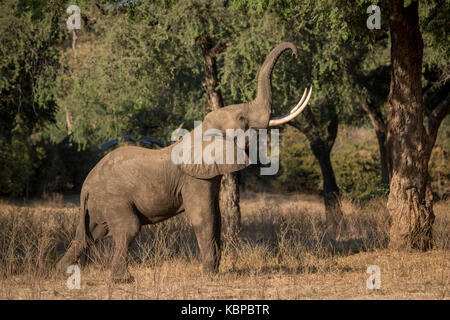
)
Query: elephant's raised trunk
[{"x": 261, "y": 107}]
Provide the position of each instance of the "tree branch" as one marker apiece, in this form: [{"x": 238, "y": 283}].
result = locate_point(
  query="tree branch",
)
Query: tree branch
[
  {"x": 206, "y": 45},
  {"x": 434, "y": 120},
  {"x": 332, "y": 128},
  {"x": 374, "y": 116},
  {"x": 297, "y": 125},
  {"x": 219, "y": 47}
]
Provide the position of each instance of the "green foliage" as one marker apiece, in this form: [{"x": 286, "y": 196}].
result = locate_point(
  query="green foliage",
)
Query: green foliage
[
  {"x": 64, "y": 167},
  {"x": 19, "y": 162},
  {"x": 331, "y": 37},
  {"x": 298, "y": 166},
  {"x": 116, "y": 86},
  {"x": 439, "y": 166},
  {"x": 29, "y": 33},
  {"x": 357, "y": 170},
  {"x": 139, "y": 70},
  {"x": 355, "y": 162},
  {"x": 28, "y": 64},
  {"x": 356, "y": 165}
]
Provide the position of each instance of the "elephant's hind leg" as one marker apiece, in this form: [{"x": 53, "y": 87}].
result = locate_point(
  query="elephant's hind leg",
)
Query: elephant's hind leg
[
  {"x": 98, "y": 232},
  {"x": 80, "y": 245},
  {"x": 124, "y": 230},
  {"x": 77, "y": 247}
]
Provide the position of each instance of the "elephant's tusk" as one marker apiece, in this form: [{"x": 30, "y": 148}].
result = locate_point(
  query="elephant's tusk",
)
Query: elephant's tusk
[
  {"x": 300, "y": 102},
  {"x": 294, "y": 112}
]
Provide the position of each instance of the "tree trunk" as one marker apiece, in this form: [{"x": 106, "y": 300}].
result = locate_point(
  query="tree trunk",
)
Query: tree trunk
[
  {"x": 380, "y": 130},
  {"x": 321, "y": 146},
  {"x": 381, "y": 137},
  {"x": 331, "y": 193},
  {"x": 229, "y": 188},
  {"x": 410, "y": 202},
  {"x": 69, "y": 122},
  {"x": 229, "y": 204}
]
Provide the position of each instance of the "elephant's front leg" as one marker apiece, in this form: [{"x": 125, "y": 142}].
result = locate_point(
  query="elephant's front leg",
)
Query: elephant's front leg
[{"x": 200, "y": 199}]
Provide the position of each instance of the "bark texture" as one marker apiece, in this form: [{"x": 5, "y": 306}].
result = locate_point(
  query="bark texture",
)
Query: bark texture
[
  {"x": 229, "y": 198},
  {"x": 410, "y": 202}
]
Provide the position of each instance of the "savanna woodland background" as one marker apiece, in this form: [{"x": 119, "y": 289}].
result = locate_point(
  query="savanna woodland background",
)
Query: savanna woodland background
[{"x": 364, "y": 171}]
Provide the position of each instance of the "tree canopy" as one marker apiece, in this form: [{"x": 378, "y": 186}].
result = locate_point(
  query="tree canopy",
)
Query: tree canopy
[{"x": 138, "y": 69}]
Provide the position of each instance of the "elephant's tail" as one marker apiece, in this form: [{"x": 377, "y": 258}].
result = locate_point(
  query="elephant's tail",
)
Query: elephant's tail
[
  {"x": 83, "y": 226},
  {"x": 80, "y": 242}
]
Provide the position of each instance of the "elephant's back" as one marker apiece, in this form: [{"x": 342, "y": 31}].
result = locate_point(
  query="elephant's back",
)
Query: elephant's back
[{"x": 119, "y": 170}]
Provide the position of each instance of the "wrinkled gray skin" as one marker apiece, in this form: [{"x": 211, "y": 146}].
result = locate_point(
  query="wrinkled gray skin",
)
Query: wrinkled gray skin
[{"x": 132, "y": 186}]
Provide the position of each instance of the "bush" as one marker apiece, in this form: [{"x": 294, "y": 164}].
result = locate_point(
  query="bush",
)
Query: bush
[
  {"x": 439, "y": 166},
  {"x": 355, "y": 160},
  {"x": 64, "y": 168},
  {"x": 299, "y": 169},
  {"x": 43, "y": 167},
  {"x": 19, "y": 162},
  {"x": 358, "y": 172}
]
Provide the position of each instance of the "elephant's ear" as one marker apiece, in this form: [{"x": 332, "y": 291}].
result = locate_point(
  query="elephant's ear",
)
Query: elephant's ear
[{"x": 209, "y": 158}]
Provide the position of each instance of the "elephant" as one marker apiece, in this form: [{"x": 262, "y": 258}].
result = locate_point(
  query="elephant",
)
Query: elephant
[{"x": 134, "y": 186}]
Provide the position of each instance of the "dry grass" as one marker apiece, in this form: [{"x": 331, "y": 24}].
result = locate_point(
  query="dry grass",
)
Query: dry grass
[{"x": 282, "y": 254}]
